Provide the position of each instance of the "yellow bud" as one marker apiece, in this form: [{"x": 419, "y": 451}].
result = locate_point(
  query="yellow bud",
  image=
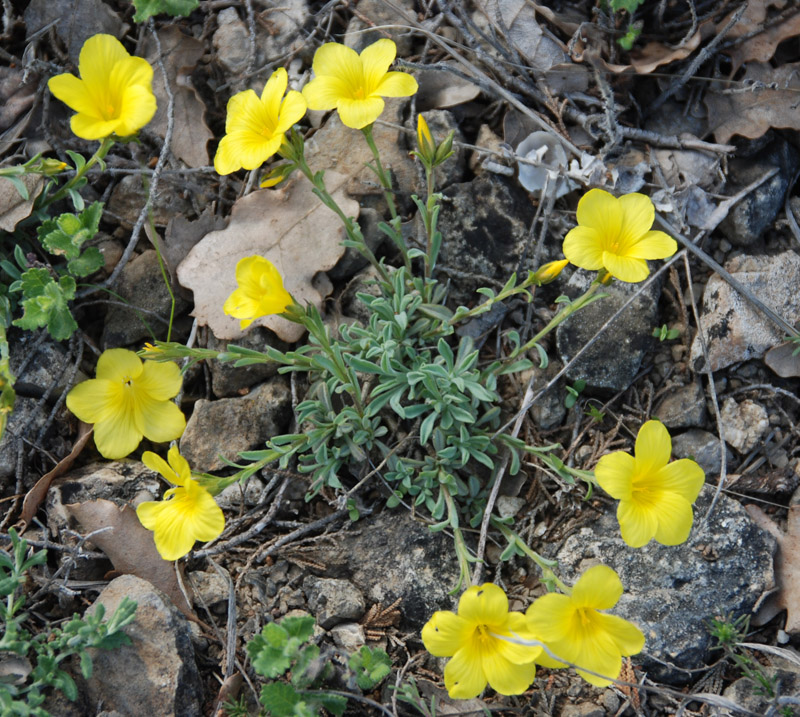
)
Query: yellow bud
[
  {"x": 425, "y": 143},
  {"x": 548, "y": 272}
]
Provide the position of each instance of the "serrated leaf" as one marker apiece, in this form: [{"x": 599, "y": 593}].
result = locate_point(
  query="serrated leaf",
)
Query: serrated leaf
[
  {"x": 87, "y": 263},
  {"x": 300, "y": 627},
  {"x": 370, "y": 667},
  {"x": 34, "y": 281},
  {"x": 335, "y": 704},
  {"x": 280, "y": 699},
  {"x": 47, "y": 304}
]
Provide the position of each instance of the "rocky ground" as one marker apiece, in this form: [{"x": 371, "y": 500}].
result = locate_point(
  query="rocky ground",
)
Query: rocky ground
[{"x": 699, "y": 115}]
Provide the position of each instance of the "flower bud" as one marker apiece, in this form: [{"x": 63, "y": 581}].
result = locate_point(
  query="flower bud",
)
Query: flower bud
[{"x": 548, "y": 272}]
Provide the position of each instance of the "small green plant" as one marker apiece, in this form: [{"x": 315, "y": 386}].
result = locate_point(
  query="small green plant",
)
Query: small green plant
[
  {"x": 595, "y": 413},
  {"x": 729, "y": 632},
  {"x": 634, "y": 28},
  {"x": 40, "y": 655},
  {"x": 286, "y": 650},
  {"x": 573, "y": 392},
  {"x": 177, "y": 8},
  {"x": 665, "y": 334}
]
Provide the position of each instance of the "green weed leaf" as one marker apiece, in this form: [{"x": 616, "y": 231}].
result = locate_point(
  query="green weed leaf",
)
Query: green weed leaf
[{"x": 177, "y": 8}]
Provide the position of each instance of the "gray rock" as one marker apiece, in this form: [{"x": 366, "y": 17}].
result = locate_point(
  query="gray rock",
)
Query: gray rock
[
  {"x": 140, "y": 284},
  {"x": 744, "y": 692},
  {"x": 743, "y": 424},
  {"x": 614, "y": 359},
  {"x": 156, "y": 674},
  {"x": 683, "y": 407},
  {"x": 416, "y": 566},
  {"x": 349, "y": 636},
  {"x": 757, "y": 210},
  {"x": 583, "y": 709},
  {"x": 672, "y": 592},
  {"x": 285, "y": 20},
  {"x": 231, "y": 425},
  {"x": 549, "y": 411},
  {"x": 701, "y": 446},
  {"x": 76, "y": 21},
  {"x": 734, "y": 331},
  {"x": 235, "y": 496},
  {"x": 485, "y": 225},
  {"x": 333, "y": 601},
  {"x": 129, "y": 197},
  {"x": 231, "y": 41},
  {"x": 359, "y": 33},
  {"x": 229, "y": 380},
  {"x": 210, "y": 589}
]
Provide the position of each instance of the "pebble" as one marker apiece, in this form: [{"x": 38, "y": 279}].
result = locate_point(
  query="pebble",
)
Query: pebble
[
  {"x": 333, "y": 601},
  {"x": 683, "y": 407},
  {"x": 703, "y": 447},
  {"x": 743, "y": 424}
]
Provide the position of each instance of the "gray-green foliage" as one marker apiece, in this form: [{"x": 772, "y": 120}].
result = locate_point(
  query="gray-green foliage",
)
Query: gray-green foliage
[
  {"x": 286, "y": 650},
  {"x": 41, "y": 655}
]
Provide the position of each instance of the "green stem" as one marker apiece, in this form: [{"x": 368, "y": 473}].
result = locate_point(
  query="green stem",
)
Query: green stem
[
  {"x": 462, "y": 552},
  {"x": 98, "y": 156},
  {"x": 561, "y": 316},
  {"x": 383, "y": 177}
]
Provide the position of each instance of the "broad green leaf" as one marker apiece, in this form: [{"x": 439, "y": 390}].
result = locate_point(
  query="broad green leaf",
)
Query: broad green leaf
[
  {"x": 87, "y": 263},
  {"x": 280, "y": 699},
  {"x": 177, "y": 8}
]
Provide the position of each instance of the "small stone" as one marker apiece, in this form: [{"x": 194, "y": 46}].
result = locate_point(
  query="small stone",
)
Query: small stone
[
  {"x": 700, "y": 446},
  {"x": 734, "y": 331},
  {"x": 610, "y": 701},
  {"x": 231, "y": 41},
  {"x": 232, "y": 425},
  {"x": 129, "y": 197},
  {"x": 583, "y": 709},
  {"x": 349, "y": 636},
  {"x": 235, "y": 496},
  {"x": 374, "y": 12},
  {"x": 508, "y": 506},
  {"x": 333, "y": 601},
  {"x": 210, "y": 589},
  {"x": 549, "y": 411},
  {"x": 743, "y": 424},
  {"x": 156, "y": 674},
  {"x": 683, "y": 407}
]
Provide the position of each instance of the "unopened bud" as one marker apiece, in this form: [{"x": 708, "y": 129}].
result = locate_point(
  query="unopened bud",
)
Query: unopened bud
[{"x": 548, "y": 272}]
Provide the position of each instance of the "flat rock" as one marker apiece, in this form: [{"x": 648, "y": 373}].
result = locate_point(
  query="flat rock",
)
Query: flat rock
[
  {"x": 229, "y": 380},
  {"x": 683, "y": 407},
  {"x": 374, "y": 12},
  {"x": 701, "y": 446},
  {"x": 129, "y": 197},
  {"x": 734, "y": 331},
  {"x": 743, "y": 424},
  {"x": 757, "y": 210},
  {"x": 783, "y": 673},
  {"x": 413, "y": 564},
  {"x": 156, "y": 674},
  {"x": 614, "y": 359},
  {"x": 141, "y": 285},
  {"x": 672, "y": 592},
  {"x": 485, "y": 225},
  {"x": 231, "y": 425}
]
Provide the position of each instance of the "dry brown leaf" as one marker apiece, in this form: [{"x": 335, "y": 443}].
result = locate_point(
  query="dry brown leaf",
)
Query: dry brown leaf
[
  {"x": 13, "y": 208},
  {"x": 787, "y": 567},
  {"x": 752, "y": 112},
  {"x": 288, "y": 226},
  {"x": 34, "y": 497},
  {"x": 767, "y": 29},
  {"x": 655, "y": 54},
  {"x": 129, "y": 546},
  {"x": 181, "y": 54}
]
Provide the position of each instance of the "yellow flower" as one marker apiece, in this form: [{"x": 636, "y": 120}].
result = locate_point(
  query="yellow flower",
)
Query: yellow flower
[
  {"x": 655, "y": 496},
  {"x": 255, "y": 127},
  {"x": 549, "y": 272},
  {"x": 188, "y": 512},
  {"x": 615, "y": 234},
  {"x": 354, "y": 84},
  {"x": 478, "y": 655},
  {"x": 129, "y": 400},
  {"x": 574, "y": 630},
  {"x": 425, "y": 143},
  {"x": 260, "y": 291},
  {"x": 114, "y": 94}
]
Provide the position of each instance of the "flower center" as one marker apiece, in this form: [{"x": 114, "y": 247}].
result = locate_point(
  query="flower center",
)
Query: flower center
[{"x": 359, "y": 93}]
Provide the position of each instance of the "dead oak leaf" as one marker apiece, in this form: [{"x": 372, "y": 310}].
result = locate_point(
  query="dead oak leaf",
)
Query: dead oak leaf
[
  {"x": 129, "y": 546},
  {"x": 787, "y": 567},
  {"x": 762, "y": 30},
  {"x": 180, "y": 54},
  {"x": 288, "y": 226},
  {"x": 772, "y": 100}
]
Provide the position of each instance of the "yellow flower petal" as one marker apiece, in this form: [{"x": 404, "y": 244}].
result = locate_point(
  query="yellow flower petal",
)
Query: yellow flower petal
[
  {"x": 638, "y": 214},
  {"x": 638, "y": 524},
  {"x": 336, "y": 60},
  {"x": 628, "y": 638},
  {"x": 600, "y": 211},
  {"x": 161, "y": 380},
  {"x": 260, "y": 292},
  {"x": 598, "y": 588},
  {"x": 625, "y": 268},
  {"x": 149, "y": 512},
  {"x": 484, "y": 604},
  {"x": 91, "y": 128},
  {"x": 375, "y": 61},
  {"x": 72, "y": 92},
  {"x": 582, "y": 246},
  {"x": 160, "y": 421},
  {"x": 550, "y": 617},
  {"x": 683, "y": 477},
  {"x": 357, "y": 114},
  {"x": 397, "y": 84},
  {"x": 293, "y": 108},
  {"x": 98, "y": 56},
  {"x": 180, "y": 466},
  {"x": 505, "y": 677},
  {"x": 599, "y": 655},
  {"x": 675, "y": 519},
  {"x": 653, "y": 245},
  {"x": 445, "y": 633},
  {"x": 119, "y": 365},
  {"x": 94, "y": 400},
  {"x": 653, "y": 448},
  {"x": 117, "y": 436},
  {"x": 517, "y": 626},
  {"x": 614, "y": 473},
  {"x": 323, "y": 93},
  {"x": 464, "y": 677},
  {"x": 272, "y": 95},
  {"x": 138, "y": 105},
  {"x": 156, "y": 463}
]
